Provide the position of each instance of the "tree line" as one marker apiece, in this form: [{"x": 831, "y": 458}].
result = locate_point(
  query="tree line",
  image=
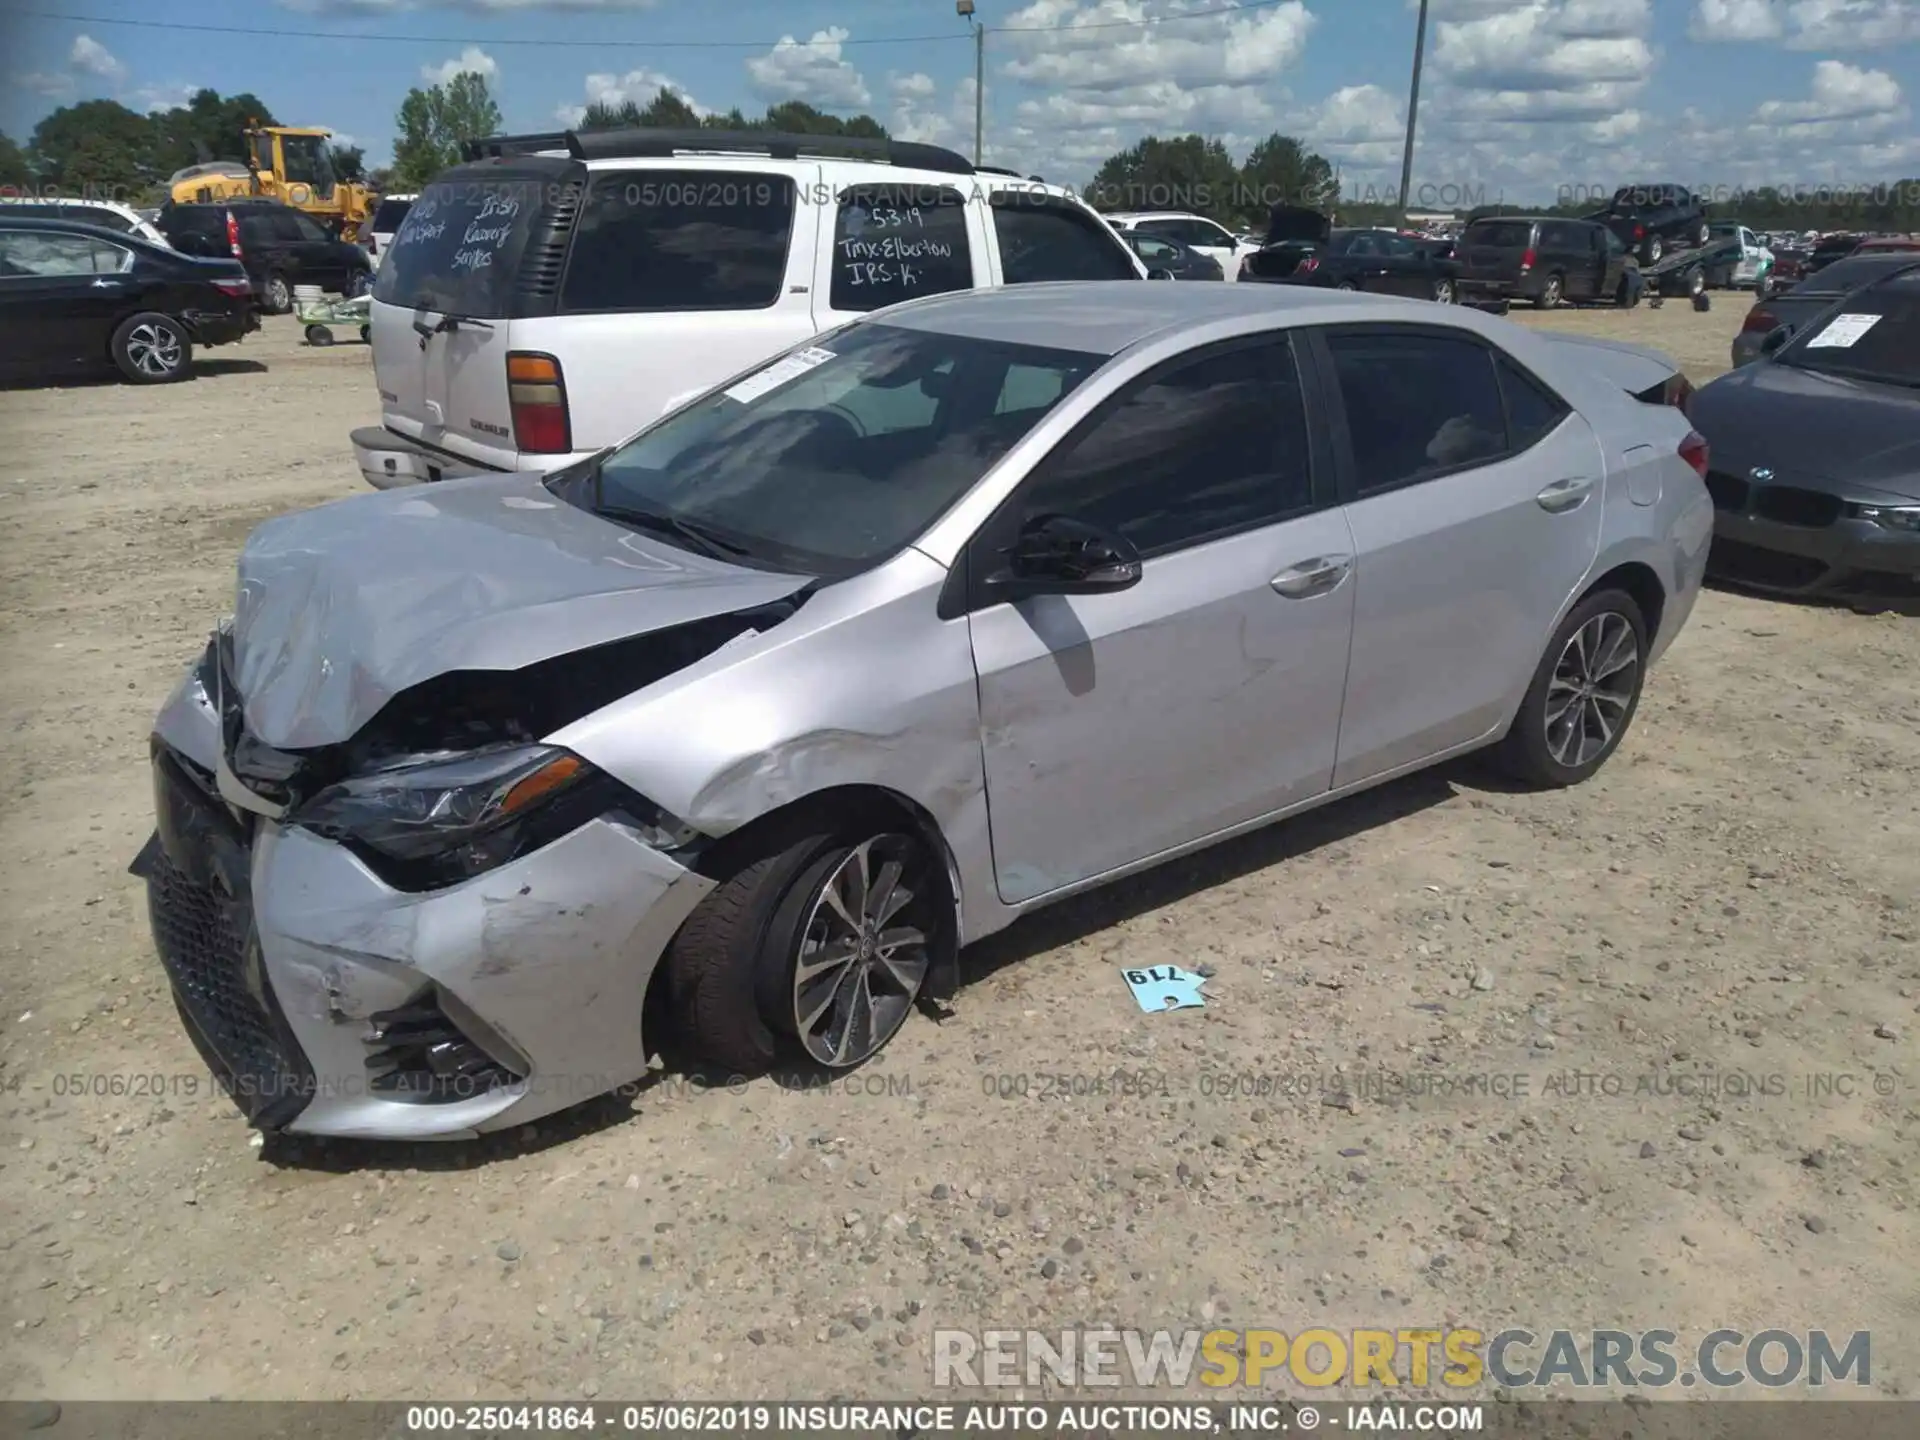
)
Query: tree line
[{"x": 104, "y": 149}]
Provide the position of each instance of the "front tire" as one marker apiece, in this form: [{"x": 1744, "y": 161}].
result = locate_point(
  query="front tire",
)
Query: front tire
[
  {"x": 1583, "y": 696},
  {"x": 818, "y": 942},
  {"x": 152, "y": 349}
]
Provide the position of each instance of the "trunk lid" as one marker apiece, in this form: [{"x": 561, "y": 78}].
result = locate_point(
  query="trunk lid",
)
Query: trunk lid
[{"x": 342, "y": 607}]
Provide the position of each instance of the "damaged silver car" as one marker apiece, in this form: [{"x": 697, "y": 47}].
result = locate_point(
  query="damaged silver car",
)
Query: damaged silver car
[{"x": 738, "y": 730}]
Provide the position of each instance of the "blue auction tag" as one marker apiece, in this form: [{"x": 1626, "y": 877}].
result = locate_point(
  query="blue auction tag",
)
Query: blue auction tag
[{"x": 1165, "y": 987}]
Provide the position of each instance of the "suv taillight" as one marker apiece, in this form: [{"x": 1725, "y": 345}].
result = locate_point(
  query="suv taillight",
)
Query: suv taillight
[
  {"x": 1526, "y": 260},
  {"x": 1694, "y": 451},
  {"x": 1758, "y": 319},
  {"x": 233, "y": 235},
  {"x": 1639, "y": 232},
  {"x": 537, "y": 395},
  {"x": 1309, "y": 265}
]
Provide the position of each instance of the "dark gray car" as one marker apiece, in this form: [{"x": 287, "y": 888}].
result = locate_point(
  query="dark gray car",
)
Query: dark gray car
[
  {"x": 1792, "y": 308},
  {"x": 1815, "y": 473}
]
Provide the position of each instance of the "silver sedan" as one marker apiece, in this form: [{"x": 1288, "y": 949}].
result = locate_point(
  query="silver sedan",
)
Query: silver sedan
[{"x": 737, "y": 731}]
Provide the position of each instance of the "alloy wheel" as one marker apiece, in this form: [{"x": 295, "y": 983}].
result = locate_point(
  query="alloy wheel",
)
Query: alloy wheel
[
  {"x": 154, "y": 350},
  {"x": 1443, "y": 292},
  {"x": 862, "y": 956},
  {"x": 1593, "y": 685},
  {"x": 279, "y": 297}
]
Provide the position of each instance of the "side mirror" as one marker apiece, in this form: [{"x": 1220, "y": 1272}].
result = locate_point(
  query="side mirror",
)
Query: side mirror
[
  {"x": 1059, "y": 555},
  {"x": 1775, "y": 339},
  {"x": 1159, "y": 273}
]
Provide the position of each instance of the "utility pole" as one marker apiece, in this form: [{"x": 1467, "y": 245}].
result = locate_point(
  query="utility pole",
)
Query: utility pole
[
  {"x": 1413, "y": 112},
  {"x": 964, "y": 9}
]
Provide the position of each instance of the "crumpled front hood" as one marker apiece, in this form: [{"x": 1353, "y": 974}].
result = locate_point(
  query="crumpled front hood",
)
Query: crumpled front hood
[
  {"x": 1825, "y": 430},
  {"x": 342, "y": 607}
]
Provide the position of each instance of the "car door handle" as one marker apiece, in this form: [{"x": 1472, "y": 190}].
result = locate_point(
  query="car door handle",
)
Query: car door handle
[
  {"x": 1563, "y": 495},
  {"x": 1311, "y": 577}
]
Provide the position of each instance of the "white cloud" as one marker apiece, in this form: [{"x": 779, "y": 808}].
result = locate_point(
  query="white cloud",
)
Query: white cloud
[
  {"x": 810, "y": 70},
  {"x": 485, "y": 7},
  {"x": 40, "y": 82},
  {"x": 162, "y": 97},
  {"x": 1736, "y": 20},
  {"x": 1085, "y": 49},
  {"x": 90, "y": 56},
  {"x": 1841, "y": 92},
  {"x": 1358, "y": 127},
  {"x": 916, "y": 86},
  {"x": 639, "y": 86},
  {"x": 1810, "y": 24},
  {"x": 472, "y": 60}
]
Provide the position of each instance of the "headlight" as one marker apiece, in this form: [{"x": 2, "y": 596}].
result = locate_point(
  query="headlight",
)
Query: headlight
[
  {"x": 449, "y": 817},
  {"x": 1892, "y": 517}
]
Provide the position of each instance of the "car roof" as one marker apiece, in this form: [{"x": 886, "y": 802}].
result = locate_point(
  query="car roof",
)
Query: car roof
[
  {"x": 1153, "y": 215},
  {"x": 1104, "y": 317},
  {"x": 78, "y": 227},
  {"x": 68, "y": 202}
]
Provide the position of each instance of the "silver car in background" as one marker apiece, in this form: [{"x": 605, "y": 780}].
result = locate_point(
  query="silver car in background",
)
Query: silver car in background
[{"x": 740, "y": 728}]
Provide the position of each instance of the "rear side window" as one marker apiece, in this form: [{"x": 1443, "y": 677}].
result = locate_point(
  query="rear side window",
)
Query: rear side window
[
  {"x": 1533, "y": 411},
  {"x": 1041, "y": 239},
  {"x": 680, "y": 240},
  {"x": 1418, "y": 406},
  {"x": 194, "y": 220},
  {"x": 49, "y": 254},
  {"x": 260, "y": 230},
  {"x": 898, "y": 242},
  {"x": 459, "y": 249}
]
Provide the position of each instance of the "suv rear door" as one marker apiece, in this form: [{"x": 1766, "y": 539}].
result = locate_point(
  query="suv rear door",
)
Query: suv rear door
[{"x": 1494, "y": 250}]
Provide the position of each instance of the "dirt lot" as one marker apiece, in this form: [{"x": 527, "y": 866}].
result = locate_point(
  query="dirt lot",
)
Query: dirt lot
[{"x": 1737, "y": 894}]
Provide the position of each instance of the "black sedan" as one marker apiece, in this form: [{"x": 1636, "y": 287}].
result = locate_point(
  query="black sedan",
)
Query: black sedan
[
  {"x": 1816, "y": 454},
  {"x": 1381, "y": 261},
  {"x": 77, "y": 297},
  {"x": 1808, "y": 299},
  {"x": 1169, "y": 259}
]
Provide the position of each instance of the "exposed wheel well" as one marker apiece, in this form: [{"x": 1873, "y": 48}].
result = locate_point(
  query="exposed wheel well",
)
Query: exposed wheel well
[
  {"x": 843, "y": 802},
  {"x": 1643, "y": 585}
]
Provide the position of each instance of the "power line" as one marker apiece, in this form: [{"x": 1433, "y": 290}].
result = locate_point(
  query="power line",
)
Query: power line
[{"x": 504, "y": 41}]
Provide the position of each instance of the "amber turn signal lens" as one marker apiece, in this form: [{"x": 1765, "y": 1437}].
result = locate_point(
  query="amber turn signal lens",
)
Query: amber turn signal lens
[
  {"x": 543, "y": 782},
  {"x": 533, "y": 370}
]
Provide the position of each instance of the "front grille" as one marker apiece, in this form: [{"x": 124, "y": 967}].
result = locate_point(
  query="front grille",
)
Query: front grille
[
  {"x": 1743, "y": 564},
  {"x": 203, "y": 936},
  {"x": 1785, "y": 505},
  {"x": 1729, "y": 492}
]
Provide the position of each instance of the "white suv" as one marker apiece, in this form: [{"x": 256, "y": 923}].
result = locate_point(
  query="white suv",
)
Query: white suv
[
  {"x": 557, "y": 293},
  {"x": 1196, "y": 232}
]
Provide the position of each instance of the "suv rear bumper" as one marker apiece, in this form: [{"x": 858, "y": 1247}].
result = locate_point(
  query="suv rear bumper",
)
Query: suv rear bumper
[{"x": 389, "y": 460}]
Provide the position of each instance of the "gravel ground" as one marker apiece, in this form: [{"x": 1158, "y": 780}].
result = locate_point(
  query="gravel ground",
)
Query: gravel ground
[{"x": 1737, "y": 894}]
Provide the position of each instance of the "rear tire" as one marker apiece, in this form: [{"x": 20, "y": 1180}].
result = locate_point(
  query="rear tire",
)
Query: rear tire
[
  {"x": 1346, "y": 285},
  {"x": 1443, "y": 292},
  {"x": 1550, "y": 293},
  {"x": 1652, "y": 251},
  {"x": 276, "y": 295},
  {"x": 358, "y": 283},
  {"x": 1583, "y": 696},
  {"x": 152, "y": 349},
  {"x": 734, "y": 984}
]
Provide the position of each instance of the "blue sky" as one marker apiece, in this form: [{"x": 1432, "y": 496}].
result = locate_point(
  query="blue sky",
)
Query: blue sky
[{"x": 1523, "y": 98}]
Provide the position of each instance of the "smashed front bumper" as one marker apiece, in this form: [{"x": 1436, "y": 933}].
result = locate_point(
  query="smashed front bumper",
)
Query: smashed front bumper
[{"x": 329, "y": 1003}]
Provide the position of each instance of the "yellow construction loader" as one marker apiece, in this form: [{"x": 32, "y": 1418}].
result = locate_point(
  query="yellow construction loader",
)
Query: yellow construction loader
[{"x": 288, "y": 163}]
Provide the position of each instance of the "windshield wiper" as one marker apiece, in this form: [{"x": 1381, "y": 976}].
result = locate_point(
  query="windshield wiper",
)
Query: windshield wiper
[{"x": 691, "y": 533}]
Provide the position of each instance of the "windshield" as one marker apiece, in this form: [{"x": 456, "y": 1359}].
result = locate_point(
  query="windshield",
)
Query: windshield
[
  {"x": 1872, "y": 335},
  {"x": 833, "y": 457}
]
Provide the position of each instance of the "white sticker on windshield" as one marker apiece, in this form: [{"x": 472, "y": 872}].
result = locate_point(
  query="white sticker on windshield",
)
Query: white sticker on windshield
[
  {"x": 1844, "y": 332},
  {"x": 778, "y": 374}
]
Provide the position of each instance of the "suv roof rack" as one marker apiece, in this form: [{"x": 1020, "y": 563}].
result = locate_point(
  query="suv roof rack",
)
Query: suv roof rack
[
  {"x": 492, "y": 147},
  {"x": 634, "y": 142}
]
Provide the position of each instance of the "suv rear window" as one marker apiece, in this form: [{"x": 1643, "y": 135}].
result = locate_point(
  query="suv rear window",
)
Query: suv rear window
[
  {"x": 459, "y": 249},
  {"x": 388, "y": 215},
  {"x": 1506, "y": 234},
  {"x": 1042, "y": 238},
  {"x": 680, "y": 240},
  {"x": 194, "y": 220},
  {"x": 898, "y": 242}
]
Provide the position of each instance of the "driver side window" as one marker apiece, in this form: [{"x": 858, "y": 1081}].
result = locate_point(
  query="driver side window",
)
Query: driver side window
[{"x": 1211, "y": 447}]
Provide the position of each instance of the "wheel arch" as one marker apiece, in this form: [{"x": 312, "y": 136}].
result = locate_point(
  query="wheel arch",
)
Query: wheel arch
[{"x": 1639, "y": 580}]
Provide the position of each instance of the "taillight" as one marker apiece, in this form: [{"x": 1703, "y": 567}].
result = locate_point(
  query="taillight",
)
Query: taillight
[
  {"x": 1693, "y": 450},
  {"x": 1758, "y": 319},
  {"x": 1526, "y": 260},
  {"x": 1639, "y": 232},
  {"x": 1309, "y": 265},
  {"x": 537, "y": 395},
  {"x": 233, "y": 235},
  {"x": 239, "y": 289}
]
